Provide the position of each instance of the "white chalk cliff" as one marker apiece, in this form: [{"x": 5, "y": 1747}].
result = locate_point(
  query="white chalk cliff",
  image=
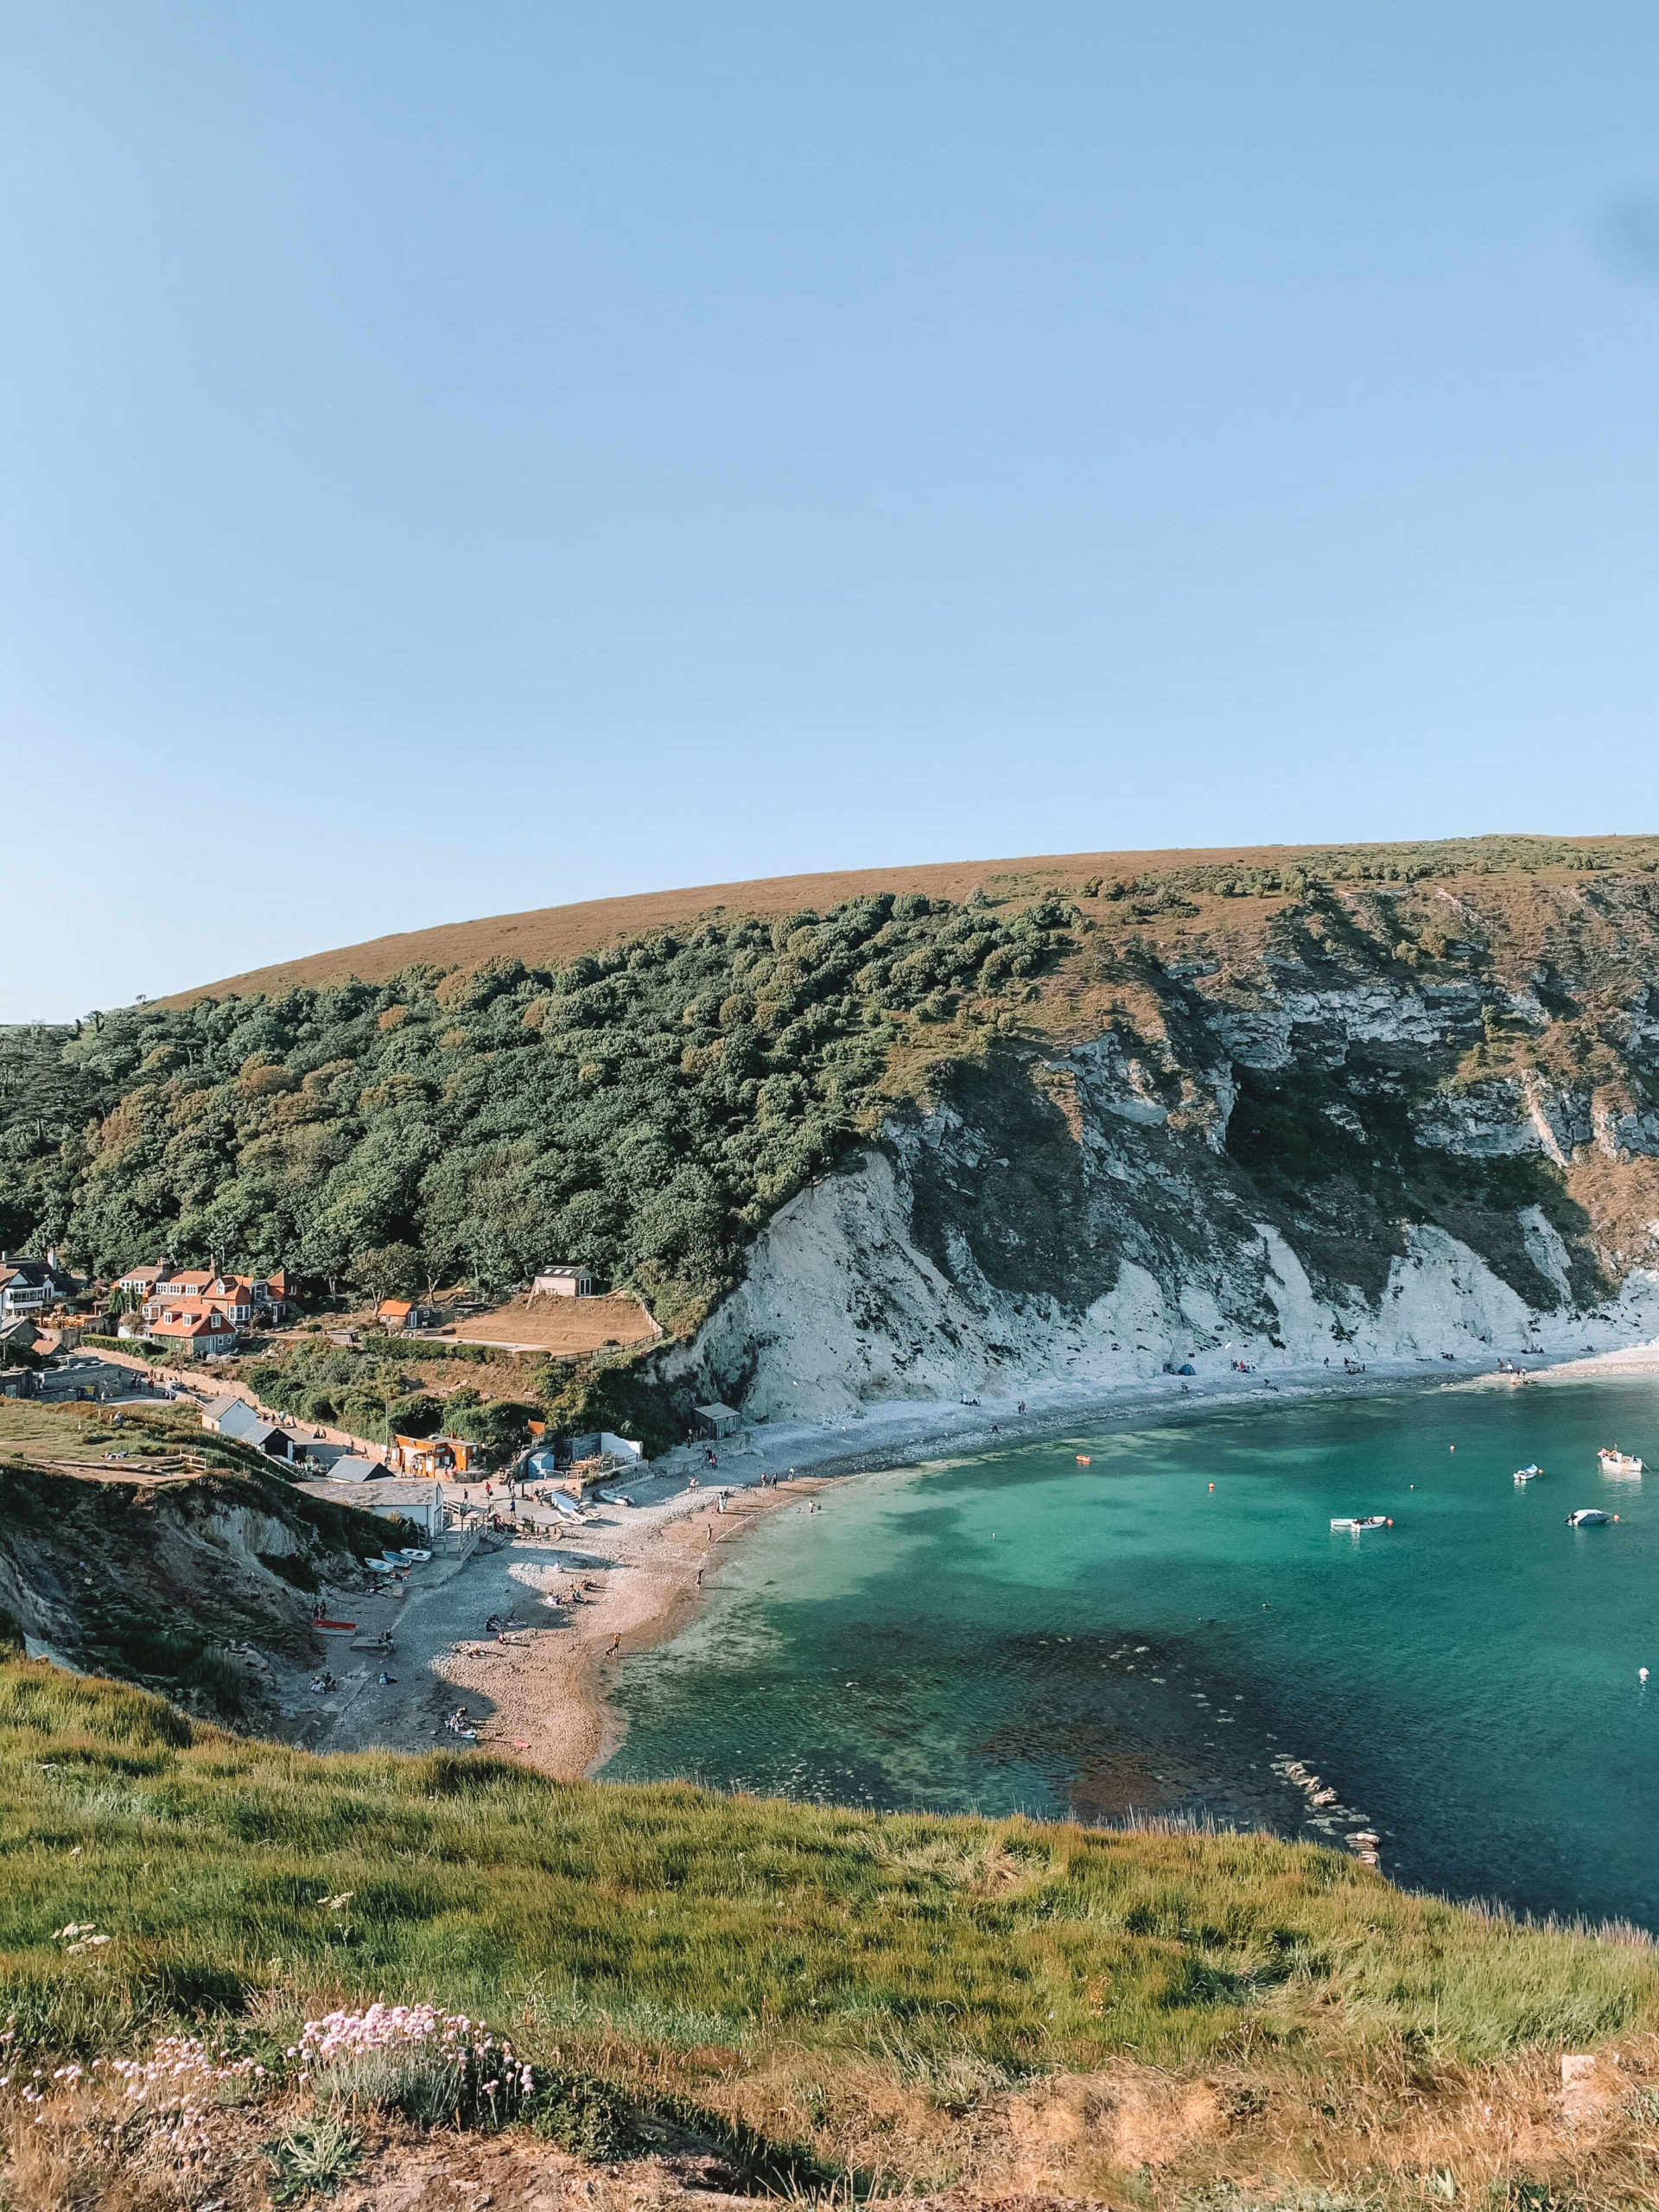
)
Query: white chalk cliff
[{"x": 1296, "y": 1171}]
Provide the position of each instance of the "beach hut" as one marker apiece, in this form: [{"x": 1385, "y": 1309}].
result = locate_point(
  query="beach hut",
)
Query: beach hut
[{"x": 717, "y": 1421}]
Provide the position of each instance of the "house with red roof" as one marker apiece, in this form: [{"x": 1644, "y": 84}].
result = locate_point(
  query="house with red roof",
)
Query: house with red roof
[{"x": 192, "y": 1328}]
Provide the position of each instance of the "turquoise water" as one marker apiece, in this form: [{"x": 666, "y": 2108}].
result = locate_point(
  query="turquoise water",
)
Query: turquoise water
[{"x": 1016, "y": 1631}]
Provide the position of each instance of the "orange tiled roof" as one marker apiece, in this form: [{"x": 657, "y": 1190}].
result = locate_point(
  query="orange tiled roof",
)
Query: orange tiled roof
[{"x": 210, "y": 1323}]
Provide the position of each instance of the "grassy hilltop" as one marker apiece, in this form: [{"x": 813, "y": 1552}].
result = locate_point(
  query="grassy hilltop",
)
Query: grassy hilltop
[
  {"x": 646, "y": 1102},
  {"x": 896, "y": 1996}
]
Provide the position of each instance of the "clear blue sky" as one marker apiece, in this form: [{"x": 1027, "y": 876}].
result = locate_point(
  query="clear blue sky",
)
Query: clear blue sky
[{"x": 461, "y": 457}]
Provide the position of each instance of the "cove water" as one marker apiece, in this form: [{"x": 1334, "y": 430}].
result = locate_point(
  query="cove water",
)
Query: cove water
[{"x": 1016, "y": 1631}]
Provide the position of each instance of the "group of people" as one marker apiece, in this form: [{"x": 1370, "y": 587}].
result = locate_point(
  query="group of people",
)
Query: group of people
[{"x": 460, "y": 1723}]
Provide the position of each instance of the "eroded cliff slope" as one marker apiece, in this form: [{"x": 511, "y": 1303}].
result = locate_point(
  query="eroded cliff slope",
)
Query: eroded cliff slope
[{"x": 1376, "y": 1122}]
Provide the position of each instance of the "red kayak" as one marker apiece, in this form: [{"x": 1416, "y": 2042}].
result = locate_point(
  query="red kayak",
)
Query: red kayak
[{"x": 335, "y": 1628}]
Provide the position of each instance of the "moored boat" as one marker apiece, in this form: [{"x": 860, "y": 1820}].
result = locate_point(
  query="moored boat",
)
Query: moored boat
[
  {"x": 1618, "y": 1463},
  {"x": 1348, "y": 1526},
  {"x": 1528, "y": 1474},
  {"x": 1589, "y": 1517}
]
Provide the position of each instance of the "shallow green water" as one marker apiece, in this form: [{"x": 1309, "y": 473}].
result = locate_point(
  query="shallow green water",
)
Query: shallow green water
[{"x": 965, "y": 1635}]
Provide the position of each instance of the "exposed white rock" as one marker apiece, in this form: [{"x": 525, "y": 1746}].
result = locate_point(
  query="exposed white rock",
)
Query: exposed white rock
[
  {"x": 1546, "y": 1250},
  {"x": 842, "y": 1309},
  {"x": 1623, "y": 1131},
  {"x": 1491, "y": 1122},
  {"x": 932, "y": 1267}
]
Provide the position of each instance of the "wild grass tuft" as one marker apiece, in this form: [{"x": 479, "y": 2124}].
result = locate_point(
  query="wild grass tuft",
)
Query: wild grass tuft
[{"x": 312, "y": 2158}]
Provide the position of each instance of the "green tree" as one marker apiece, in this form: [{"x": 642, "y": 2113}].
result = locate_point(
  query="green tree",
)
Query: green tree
[{"x": 388, "y": 1271}]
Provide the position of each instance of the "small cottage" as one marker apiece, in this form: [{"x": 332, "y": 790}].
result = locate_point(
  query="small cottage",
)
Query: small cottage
[
  {"x": 398, "y": 1314},
  {"x": 717, "y": 1421}
]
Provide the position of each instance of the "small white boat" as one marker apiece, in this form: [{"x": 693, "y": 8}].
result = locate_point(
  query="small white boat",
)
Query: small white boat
[
  {"x": 1588, "y": 1516},
  {"x": 1528, "y": 1474},
  {"x": 1618, "y": 1463},
  {"x": 1347, "y": 1527}
]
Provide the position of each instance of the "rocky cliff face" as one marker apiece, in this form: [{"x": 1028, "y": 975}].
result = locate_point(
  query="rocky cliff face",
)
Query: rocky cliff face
[
  {"x": 201, "y": 1589},
  {"x": 1394, "y": 1125}
]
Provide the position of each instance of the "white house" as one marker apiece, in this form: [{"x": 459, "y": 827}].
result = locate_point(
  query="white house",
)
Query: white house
[
  {"x": 563, "y": 1282},
  {"x": 30, "y": 1286},
  {"x": 420, "y": 1502}
]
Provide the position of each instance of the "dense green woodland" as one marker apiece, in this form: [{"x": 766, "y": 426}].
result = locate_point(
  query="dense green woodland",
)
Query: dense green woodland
[{"x": 641, "y": 1111}]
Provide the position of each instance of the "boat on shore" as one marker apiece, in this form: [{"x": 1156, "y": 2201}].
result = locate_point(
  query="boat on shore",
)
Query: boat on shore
[
  {"x": 1618, "y": 1463},
  {"x": 1528, "y": 1474},
  {"x": 1589, "y": 1517},
  {"x": 1345, "y": 1525}
]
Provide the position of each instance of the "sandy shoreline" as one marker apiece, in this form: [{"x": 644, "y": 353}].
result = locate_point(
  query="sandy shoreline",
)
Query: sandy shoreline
[{"x": 638, "y": 1573}]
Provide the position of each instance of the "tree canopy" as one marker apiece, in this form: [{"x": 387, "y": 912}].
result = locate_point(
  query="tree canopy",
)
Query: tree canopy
[{"x": 641, "y": 1111}]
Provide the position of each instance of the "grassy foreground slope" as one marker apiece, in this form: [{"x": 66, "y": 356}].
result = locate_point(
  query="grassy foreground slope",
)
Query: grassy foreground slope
[
  {"x": 711, "y": 1926},
  {"x": 849, "y": 2004}
]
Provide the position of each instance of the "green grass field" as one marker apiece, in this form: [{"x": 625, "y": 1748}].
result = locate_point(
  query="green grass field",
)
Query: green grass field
[
  {"x": 686, "y": 1919},
  {"x": 880, "y": 1997}
]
